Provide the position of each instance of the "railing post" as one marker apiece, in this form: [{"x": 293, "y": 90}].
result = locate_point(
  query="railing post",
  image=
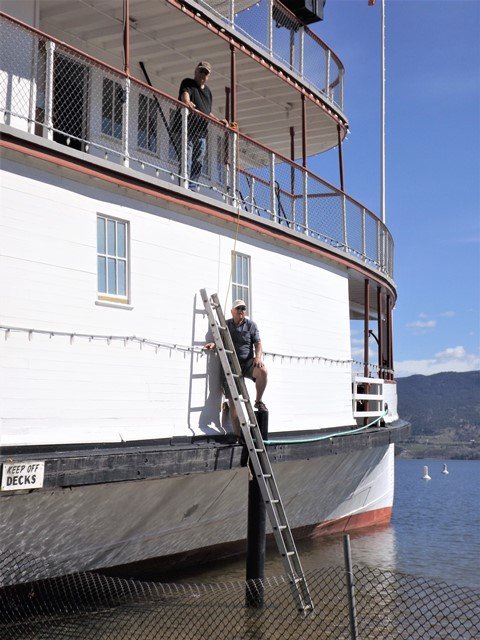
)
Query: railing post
[
  {"x": 364, "y": 235},
  {"x": 50, "y": 47},
  {"x": 270, "y": 27},
  {"x": 233, "y": 164},
  {"x": 33, "y": 89},
  {"x": 184, "y": 150},
  {"x": 301, "y": 34},
  {"x": 273, "y": 200},
  {"x": 344, "y": 222},
  {"x": 340, "y": 81},
  {"x": 327, "y": 73},
  {"x": 126, "y": 121},
  {"x": 379, "y": 249},
  {"x": 305, "y": 200},
  {"x": 292, "y": 49},
  {"x": 231, "y": 13},
  {"x": 252, "y": 195}
]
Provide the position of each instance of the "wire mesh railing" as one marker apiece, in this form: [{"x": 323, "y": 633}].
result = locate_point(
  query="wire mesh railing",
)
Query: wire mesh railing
[
  {"x": 283, "y": 36},
  {"x": 388, "y": 605},
  {"x": 59, "y": 93}
]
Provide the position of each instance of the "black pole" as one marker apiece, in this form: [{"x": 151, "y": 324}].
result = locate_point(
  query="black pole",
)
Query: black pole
[{"x": 257, "y": 519}]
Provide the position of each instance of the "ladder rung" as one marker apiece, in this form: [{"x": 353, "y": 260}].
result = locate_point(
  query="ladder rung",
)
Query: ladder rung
[
  {"x": 290, "y": 553},
  {"x": 267, "y": 475},
  {"x": 274, "y": 501},
  {"x": 297, "y": 580},
  {"x": 259, "y": 450}
]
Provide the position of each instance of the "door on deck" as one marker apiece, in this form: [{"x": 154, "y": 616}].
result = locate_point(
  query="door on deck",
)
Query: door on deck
[{"x": 70, "y": 86}]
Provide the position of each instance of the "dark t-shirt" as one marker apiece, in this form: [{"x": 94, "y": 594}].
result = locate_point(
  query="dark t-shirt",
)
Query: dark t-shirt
[
  {"x": 244, "y": 336},
  {"x": 202, "y": 99}
]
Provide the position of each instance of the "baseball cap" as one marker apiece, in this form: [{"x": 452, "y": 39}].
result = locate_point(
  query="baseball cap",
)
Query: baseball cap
[
  {"x": 238, "y": 303},
  {"x": 204, "y": 65}
]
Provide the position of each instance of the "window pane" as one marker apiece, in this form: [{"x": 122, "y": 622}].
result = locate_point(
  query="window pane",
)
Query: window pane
[
  {"x": 107, "y": 99},
  {"x": 111, "y": 237},
  {"x": 245, "y": 271},
  {"x": 142, "y": 121},
  {"x": 101, "y": 235},
  {"x": 122, "y": 278},
  {"x": 152, "y": 126},
  {"x": 238, "y": 268},
  {"x": 112, "y": 276},
  {"x": 101, "y": 275},
  {"x": 121, "y": 240}
]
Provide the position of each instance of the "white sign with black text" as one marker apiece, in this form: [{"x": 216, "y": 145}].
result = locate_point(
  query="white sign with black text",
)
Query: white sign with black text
[{"x": 22, "y": 475}]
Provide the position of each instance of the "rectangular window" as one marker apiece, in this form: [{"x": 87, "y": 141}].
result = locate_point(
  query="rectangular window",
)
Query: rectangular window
[
  {"x": 147, "y": 123},
  {"x": 113, "y": 97},
  {"x": 112, "y": 258},
  {"x": 241, "y": 282}
]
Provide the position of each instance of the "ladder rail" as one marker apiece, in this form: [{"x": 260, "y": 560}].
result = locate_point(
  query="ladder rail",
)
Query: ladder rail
[{"x": 256, "y": 448}]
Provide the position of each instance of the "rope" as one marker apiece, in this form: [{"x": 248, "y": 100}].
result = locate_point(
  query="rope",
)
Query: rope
[
  {"x": 327, "y": 437},
  {"x": 234, "y": 126}
]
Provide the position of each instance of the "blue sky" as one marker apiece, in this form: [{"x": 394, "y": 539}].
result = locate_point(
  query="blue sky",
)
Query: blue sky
[{"x": 433, "y": 166}]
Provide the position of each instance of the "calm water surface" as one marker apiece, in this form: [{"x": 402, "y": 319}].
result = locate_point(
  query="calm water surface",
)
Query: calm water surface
[{"x": 435, "y": 531}]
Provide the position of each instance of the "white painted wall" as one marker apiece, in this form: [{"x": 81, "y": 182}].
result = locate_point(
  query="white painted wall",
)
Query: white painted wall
[{"x": 53, "y": 389}]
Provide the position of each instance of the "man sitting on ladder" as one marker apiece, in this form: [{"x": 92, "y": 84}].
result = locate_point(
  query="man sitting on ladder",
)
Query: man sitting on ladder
[{"x": 246, "y": 340}]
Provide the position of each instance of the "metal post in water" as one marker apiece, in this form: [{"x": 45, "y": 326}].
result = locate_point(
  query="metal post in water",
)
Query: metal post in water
[
  {"x": 256, "y": 533},
  {"x": 350, "y": 587}
]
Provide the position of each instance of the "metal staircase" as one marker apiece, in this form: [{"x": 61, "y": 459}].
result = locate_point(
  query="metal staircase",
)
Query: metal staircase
[{"x": 256, "y": 448}]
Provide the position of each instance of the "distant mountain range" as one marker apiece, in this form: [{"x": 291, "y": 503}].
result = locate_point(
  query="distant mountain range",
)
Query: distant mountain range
[{"x": 440, "y": 401}]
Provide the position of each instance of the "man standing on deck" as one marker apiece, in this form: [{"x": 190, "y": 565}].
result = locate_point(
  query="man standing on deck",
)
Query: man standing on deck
[
  {"x": 246, "y": 340},
  {"x": 195, "y": 93}
]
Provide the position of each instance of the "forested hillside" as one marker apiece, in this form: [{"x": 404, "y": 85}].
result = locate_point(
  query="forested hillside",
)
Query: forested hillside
[{"x": 444, "y": 411}]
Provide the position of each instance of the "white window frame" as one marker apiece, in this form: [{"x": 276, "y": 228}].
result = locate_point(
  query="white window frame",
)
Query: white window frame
[
  {"x": 242, "y": 282},
  {"x": 107, "y": 255}
]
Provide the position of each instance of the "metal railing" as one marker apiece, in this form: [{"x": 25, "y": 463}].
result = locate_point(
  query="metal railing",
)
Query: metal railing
[
  {"x": 285, "y": 38},
  {"x": 59, "y": 93}
]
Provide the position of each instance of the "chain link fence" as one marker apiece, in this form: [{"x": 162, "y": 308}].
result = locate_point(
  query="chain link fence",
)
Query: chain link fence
[
  {"x": 389, "y": 606},
  {"x": 59, "y": 93}
]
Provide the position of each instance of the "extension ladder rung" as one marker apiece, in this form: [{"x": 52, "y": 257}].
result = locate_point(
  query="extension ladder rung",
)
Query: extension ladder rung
[{"x": 238, "y": 394}]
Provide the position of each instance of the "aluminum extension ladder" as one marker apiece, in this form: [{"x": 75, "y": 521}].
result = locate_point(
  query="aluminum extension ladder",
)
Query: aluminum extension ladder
[{"x": 257, "y": 452}]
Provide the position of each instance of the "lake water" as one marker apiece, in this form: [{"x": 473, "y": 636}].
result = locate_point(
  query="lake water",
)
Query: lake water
[{"x": 435, "y": 531}]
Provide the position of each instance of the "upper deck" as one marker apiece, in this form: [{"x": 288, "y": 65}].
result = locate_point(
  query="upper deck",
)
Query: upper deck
[
  {"x": 63, "y": 95},
  {"x": 278, "y": 63}
]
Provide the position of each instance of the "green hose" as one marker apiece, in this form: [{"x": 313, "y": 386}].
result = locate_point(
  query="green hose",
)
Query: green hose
[{"x": 327, "y": 437}]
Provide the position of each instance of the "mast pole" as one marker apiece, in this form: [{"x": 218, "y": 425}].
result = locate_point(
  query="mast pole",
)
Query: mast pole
[{"x": 382, "y": 119}]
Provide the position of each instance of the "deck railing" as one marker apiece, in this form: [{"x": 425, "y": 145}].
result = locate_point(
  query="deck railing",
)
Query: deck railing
[
  {"x": 284, "y": 37},
  {"x": 59, "y": 93}
]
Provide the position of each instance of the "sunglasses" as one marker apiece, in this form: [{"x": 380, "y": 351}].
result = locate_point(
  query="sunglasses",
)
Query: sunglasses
[{"x": 241, "y": 308}]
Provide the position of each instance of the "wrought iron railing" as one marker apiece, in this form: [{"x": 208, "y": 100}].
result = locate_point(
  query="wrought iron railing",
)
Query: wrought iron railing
[
  {"x": 284, "y": 37},
  {"x": 59, "y": 93}
]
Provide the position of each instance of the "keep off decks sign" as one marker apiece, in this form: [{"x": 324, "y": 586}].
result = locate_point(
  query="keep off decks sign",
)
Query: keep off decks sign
[{"x": 22, "y": 475}]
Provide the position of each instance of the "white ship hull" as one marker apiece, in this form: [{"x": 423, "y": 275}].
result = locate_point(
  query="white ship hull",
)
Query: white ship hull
[{"x": 196, "y": 516}]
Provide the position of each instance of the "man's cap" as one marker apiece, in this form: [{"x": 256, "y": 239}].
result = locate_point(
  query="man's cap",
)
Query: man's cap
[
  {"x": 205, "y": 65},
  {"x": 238, "y": 303}
]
